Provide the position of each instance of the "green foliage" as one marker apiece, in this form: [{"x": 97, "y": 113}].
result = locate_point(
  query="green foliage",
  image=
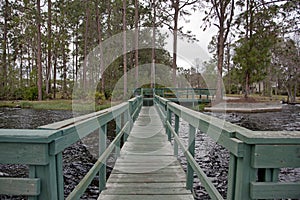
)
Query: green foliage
[
  {"x": 99, "y": 97},
  {"x": 31, "y": 93}
]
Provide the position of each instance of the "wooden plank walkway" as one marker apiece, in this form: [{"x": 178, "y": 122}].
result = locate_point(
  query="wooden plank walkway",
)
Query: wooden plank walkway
[{"x": 147, "y": 168}]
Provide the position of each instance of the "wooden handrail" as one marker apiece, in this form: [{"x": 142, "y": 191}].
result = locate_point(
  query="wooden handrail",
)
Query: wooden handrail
[
  {"x": 255, "y": 156},
  {"x": 42, "y": 148}
]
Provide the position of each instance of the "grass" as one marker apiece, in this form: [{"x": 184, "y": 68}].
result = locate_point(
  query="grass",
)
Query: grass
[{"x": 55, "y": 105}]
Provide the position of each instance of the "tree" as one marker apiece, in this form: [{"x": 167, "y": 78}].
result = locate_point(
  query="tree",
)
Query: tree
[
  {"x": 3, "y": 77},
  {"x": 222, "y": 11},
  {"x": 33, "y": 54},
  {"x": 286, "y": 58},
  {"x": 252, "y": 53},
  {"x": 39, "y": 51},
  {"x": 178, "y": 7},
  {"x": 49, "y": 48},
  {"x": 86, "y": 44},
  {"x": 99, "y": 29},
  {"x": 124, "y": 50},
  {"x": 136, "y": 26}
]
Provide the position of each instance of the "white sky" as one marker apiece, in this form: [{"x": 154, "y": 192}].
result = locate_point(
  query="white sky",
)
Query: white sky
[{"x": 204, "y": 37}]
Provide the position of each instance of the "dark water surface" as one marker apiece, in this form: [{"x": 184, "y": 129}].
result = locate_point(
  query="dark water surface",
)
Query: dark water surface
[
  {"x": 77, "y": 159},
  {"x": 16, "y": 118},
  {"x": 212, "y": 158}
]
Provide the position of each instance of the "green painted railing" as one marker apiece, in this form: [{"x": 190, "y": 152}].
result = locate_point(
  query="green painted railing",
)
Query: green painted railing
[
  {"x": 41, "y": 149},
  {"x": 178, "y": 94},
  {"x": 255, "y": 156}
]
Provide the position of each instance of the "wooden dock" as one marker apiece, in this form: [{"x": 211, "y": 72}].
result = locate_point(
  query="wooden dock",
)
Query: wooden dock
[{"x": 147, "y": 167}]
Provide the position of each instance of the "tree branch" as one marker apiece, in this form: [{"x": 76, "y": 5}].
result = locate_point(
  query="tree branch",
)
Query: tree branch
[{"x": 187, "y": 3}]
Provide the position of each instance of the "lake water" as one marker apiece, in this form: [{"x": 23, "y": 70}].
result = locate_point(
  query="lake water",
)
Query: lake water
[{"x": 212, "y": 158}]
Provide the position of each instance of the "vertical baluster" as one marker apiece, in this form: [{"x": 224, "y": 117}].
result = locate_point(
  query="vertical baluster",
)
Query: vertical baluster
[
  {"x": 32, "y": 175},
  {"x": 47, "y": 174},
  {"x": 169, "y": 115},
  {"x": 244, "y": 175},
  {"x": 231, "y": 176},
  {"x": 267, "y": 175},
  {"x": 176, "y": 130},
  {"x": 118, "y": 128},
  {"x": 102, "y": 148},
  {"x": 60, "y": 175},
  {"x": 191, "y": 149},
  {"x": 126, "y": 118}
]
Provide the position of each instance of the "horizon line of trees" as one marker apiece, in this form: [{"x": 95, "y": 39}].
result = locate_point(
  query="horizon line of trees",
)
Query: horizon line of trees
[{"x": 45, "y": 43}]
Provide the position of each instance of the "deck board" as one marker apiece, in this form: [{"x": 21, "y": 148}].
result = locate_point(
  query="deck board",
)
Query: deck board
[{"x": 147, "y": 168}]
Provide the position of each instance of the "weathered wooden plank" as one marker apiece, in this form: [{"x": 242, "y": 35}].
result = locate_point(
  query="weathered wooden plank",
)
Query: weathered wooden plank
[
  {"x": 20, "y": 186},
  {"x": 153, "y": 170},
  {"x": 269, "y": 137},
  {"x": 28, "y": 136},
  {"x": 150, "y": 158},
  {"x": 105, "y": 116},
  {"x": 147, "y": 185},
  {"x": 276, "y": 156},
  {"x": 271, "y": 190},
  {"x": 146, "y": 178},
  {"x": 146, "y": 197},
  {"x": 145, "y": 191},
  {"x": 147, "y": 168},
  {"x": 25, "y": 153}
]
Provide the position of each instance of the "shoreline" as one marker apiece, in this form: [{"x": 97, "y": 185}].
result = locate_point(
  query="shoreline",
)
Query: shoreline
[{"x": 58, "y": 104}]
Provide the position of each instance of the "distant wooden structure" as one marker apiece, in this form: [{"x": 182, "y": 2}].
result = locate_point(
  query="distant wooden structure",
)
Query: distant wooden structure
[{"x": 178, "y": 95}]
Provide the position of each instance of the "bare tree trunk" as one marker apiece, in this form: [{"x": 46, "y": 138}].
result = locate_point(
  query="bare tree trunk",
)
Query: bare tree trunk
[
  {"x": 220, "y": 64},
  {"x": 153, "y": 44},
  {"x": 109, "y": 10},
  {"x": 54, "y": 75},
  {"x": 124, "y": 50},
  {"x": 76, "y": 55},
  {"x": 99, "y": 28},
  {"x": 48, "y": 71},
  {"x": 249, "y": 33},
  {"x": 21, "y": 66},
  {"x": 39, "y": 49},
  {"x": 64, "y": 71},
  {"x": 136, "y": 59},
  {"x": 225, "y": 18},
  {"x": 228, "y": 68},
  {"x": 175, "y": 30},
  {"x": 3, "y": 78},
  {"x": 85, "y": 45}
]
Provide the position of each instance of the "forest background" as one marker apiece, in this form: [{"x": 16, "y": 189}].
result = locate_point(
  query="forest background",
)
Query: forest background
[{"x": 45, "y": 43}]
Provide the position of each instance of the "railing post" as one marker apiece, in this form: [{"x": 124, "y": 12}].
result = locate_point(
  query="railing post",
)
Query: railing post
[
  {"x": 231, "y": 176},
  {"x": 118, "y": 128},
  {"x": 169, "y": 119},
  {"x": 102, "y": 148},
  {"x": 176, "y": 130},
  {"x": 130, "y": 111},
  {"x": 191, "y": 149},
  {"x": 60, "y": 175},
  {"x": 126, "y": 118},
  {"x": 244, "y": 174},
  {"x": 48, "y": 176}
]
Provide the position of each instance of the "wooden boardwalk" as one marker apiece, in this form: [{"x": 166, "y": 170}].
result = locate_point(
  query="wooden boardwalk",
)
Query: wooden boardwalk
[{"x": 147, "y": 168}]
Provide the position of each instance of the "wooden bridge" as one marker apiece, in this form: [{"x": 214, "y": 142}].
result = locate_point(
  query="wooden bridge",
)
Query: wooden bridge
[{"x": 147, "y": 165}]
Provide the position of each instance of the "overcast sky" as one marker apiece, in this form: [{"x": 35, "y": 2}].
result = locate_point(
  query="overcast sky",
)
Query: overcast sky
[{"x": 204, "y": 38}]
